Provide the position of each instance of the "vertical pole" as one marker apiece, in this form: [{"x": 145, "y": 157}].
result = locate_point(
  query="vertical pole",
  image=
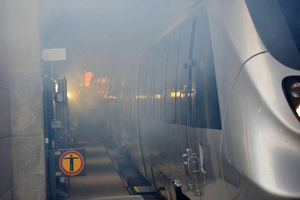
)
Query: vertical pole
[{"x": 65, "y": 112}]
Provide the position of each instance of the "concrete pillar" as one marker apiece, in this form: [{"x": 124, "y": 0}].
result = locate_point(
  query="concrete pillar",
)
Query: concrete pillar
[
  {"x": 25, "y": 98},
  {"x": 5, "y": 138}
]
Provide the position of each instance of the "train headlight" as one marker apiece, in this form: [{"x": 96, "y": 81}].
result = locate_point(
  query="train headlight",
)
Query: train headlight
[
  {"x": 295, "y": 90},
  {"x": 298, "y": 111},
  {"x": 291, "y": 88}
]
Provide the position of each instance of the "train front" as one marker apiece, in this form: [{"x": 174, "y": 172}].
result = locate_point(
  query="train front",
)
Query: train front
[{"x": 261, "y": 130}]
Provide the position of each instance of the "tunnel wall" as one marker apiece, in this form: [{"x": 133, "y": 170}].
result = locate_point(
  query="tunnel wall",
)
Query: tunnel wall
[{"x": 5, "y": 136}]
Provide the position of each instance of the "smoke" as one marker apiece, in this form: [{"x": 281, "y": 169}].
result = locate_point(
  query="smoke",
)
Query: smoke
[
  {"x": 106, "y": 37},
  {"x": 104, "y": 34}
]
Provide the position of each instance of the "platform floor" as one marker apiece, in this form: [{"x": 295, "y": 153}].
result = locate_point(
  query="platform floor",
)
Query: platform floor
[{"x": 102, "y": 178}]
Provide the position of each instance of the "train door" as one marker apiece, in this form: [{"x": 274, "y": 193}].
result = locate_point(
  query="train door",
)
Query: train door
[
  {"x": 191, "y": 160},
  {"x": 200, "y": 114}
]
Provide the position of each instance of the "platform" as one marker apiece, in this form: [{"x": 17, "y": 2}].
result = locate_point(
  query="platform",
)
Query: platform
[
  {"x": 102, "y": 179},
  {"x": 109, "y": 174},
  {"x": 131, "y": 197}
]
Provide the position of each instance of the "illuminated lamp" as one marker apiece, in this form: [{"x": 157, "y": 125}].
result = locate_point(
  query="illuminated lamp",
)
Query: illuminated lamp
[{"x": 291, "y": 88}]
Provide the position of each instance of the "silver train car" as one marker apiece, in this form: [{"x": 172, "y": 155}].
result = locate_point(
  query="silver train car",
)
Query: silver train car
[{"x": 214, "y": 112}]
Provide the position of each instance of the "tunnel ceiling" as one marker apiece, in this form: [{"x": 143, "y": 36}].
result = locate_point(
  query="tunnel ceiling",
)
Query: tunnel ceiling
[{"x": 105, "y": 35}]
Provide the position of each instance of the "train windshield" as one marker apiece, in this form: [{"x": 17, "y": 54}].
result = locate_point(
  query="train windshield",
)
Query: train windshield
[{"x": 278, "y": 24}]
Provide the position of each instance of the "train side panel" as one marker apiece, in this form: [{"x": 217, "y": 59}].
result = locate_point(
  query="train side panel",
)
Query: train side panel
[
  {"x": 210, "y": 114},
  {"x": 164, "y": 133},
  {"x": 164, "y": 136}
]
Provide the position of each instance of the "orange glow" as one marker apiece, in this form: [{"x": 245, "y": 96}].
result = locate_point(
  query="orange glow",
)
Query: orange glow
[
  {"x": 101, "y": 85},
  {"x": 173, "y": 94},
  {"x": 183, "y": 94},
  {"x": 87, "y": 78},
  {"x": 140, "y": 97}
]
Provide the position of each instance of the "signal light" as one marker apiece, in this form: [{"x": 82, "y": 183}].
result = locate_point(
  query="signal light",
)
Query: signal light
[{"x": 291, "y": 88}]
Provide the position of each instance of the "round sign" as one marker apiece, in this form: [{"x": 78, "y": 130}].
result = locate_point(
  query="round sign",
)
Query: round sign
[{"x": 71, "y": 163}]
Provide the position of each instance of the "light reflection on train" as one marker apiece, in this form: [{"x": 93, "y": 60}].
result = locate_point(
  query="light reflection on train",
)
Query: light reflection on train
[{"x": 213, "y": 111}]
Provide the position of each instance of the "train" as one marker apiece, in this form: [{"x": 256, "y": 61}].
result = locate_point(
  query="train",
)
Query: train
[{"x": 214, "y": 110}]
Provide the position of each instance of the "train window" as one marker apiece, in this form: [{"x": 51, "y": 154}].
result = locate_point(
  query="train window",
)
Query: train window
[
  {"x": 207, "y": 111},
  {"x": 185, "y": 54},
  {"x": 145, "y": 95},
  {"x": 142, "y": 87},
  {"x": 196, "y": 70},
  {"x": 123, "y": 107},
  {"x": 134, "y": 102},
  {"x": 159, "y": 63},
  {"x": 128, "y": 109},
  {"x": 127, "y": 104},
  {"x": 277, "y": 23},
  {"x": 170, "y": 76},
  {"x": 173, "y": 69},
  {"x": 119, "y": 114},
  {"x": 130, "y": 114},
  {"x": 193, "y": 77},
  {"x": 149, "y": 78}
]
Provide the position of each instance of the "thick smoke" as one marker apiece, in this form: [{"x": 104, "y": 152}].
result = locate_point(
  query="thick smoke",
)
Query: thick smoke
[{"x": 106, "y": 37}]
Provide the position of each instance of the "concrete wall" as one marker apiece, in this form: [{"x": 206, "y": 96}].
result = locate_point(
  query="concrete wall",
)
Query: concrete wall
[
  {"x": 5, "y": 137},
  {"x": 21, "y": 88}
]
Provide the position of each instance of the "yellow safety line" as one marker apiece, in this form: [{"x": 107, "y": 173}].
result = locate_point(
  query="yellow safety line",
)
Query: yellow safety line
[{"x": 136, "y": 189}]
